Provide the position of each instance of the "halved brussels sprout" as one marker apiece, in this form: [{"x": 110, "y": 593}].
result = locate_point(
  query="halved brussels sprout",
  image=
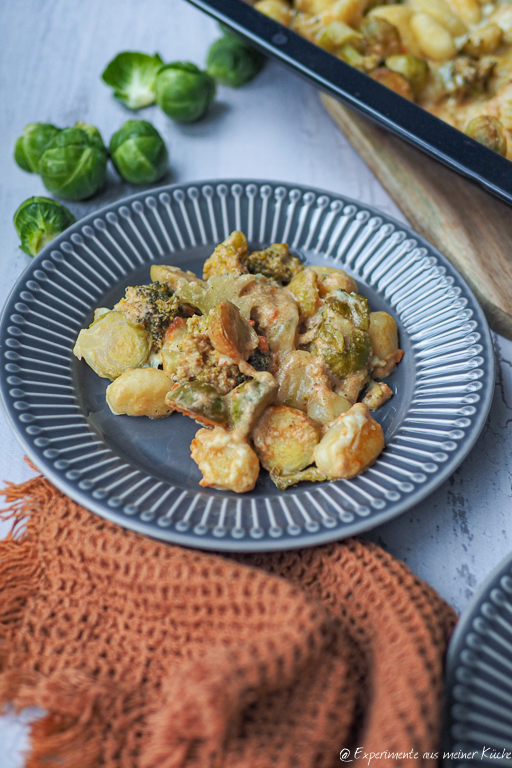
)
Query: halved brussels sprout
[
  {"x": 32, "y": 143},
  {"x": 414, "y": 69},
  {"x": 183, "y": 91},
  {"x": 489, "y": 132},
  {"x": 201, "y": 401},
  {"x": 380, "y": 37},
  {"x": 284, "y": 439},
  {"x": 247, "y": 402},
  {"x": 139, "y": 152},
  {"x": 38, "y": 220},
  {"x": 310, "y": 474},
  {"x": 337, "y": 34},
  {"x": 132, "y": 75},
  {"x": 112, "y": 344},
  {"x": 351, "y": 306},
  {"x": 229, "y": 333},
  {"x": 232, "y": 62},
  {"x": 74, "y": 165}
]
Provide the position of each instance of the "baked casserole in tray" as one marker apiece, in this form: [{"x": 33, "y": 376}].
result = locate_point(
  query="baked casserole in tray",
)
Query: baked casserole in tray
[{"x": 420, "y": 68}]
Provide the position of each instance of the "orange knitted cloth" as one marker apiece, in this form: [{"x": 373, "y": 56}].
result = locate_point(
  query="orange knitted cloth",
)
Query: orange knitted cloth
[{"x": 146, "y": 655}]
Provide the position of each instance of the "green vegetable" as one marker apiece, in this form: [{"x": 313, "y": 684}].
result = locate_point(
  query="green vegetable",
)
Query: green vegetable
[
  {"x": 31, "y": 144},
  {"x": 351, "y": 306},
  {"x": 93, "y": 133},
  {"x": 154, "y": 306},
  {"x": 283, "y": 481},
  {"x": 38, "y": 220},
  {"x": 380, "y": 38},
  {"x": 275, "y": 262},
  {"x": 132, "y": 75},
  {"x": 414, "y": 69},
  {"x": 113, "y": 343},
  {"x": 489, "y": 132},
  {"x": 355, "y": 357},
  {"x": 232, "y": 62},
  {"x": 139, "y": 152},
  {"x": 201, "y": 401},
  {"x": 74, "y": 165},
  {"x": 183, "y": 91},
  {"x": 247, "y": 402}
]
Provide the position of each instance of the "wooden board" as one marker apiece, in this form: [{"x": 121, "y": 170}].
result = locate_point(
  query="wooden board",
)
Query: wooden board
[{"x": 468, "y": 225}]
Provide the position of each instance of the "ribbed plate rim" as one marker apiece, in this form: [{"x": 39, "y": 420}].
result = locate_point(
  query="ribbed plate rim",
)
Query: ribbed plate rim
[
  {"x": 458, "y": 642},
  {"x": 359, "y": 525}
]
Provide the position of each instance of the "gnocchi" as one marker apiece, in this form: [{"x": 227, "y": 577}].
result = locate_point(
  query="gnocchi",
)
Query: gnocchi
[{"x": 452, "y": 57}]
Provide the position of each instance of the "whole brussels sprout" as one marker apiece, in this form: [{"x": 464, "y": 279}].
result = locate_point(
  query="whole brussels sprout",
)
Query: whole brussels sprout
[
  {"x": 113, "y": 343},
  {"x": 183, "y": 91},
  {"x": 139, "y": 152},
  {"x": 132, "y": 75},
  {"x": 31, "y": 144},
  {"x": 232, "y": 62},
  {"x": 38, "y": 220},
  {"x": 74, "y": 165},
  {"x": 93, "y": 133}
]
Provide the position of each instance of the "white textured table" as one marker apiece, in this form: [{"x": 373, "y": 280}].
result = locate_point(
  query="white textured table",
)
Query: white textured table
[{"x": 51, "y": 55}]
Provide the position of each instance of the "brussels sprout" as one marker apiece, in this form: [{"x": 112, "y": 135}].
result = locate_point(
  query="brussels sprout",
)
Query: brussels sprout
[
  {"x": 275, "y": 262},
  {"x": 32, "y": 143},
  {"x": 112, "y": 344},
  {"x": 380, "y": 37},
  {"x": 201, "y": 401},
  {"x": 74, "y": 165},
  {"x": 183, "y": 91},
  {"x": 93, "y": 134},
  {"x": 337, "y": 34},
  {"x": 232, "y": 62},
  {"x": 38, "y": 220},
  {"x": 311, "y": 475},
  {"x": 229, "y": 333},
  {"x": 414, "y": 69},
  {"x": 351, "y": 306},
  {"x": 139, "y": 152},
  {"x": 132, "y": 75},
  {"x": 248, "y": 401},
  {"x": 489, "y": 132},
  {"x": 284, "y": 439}
]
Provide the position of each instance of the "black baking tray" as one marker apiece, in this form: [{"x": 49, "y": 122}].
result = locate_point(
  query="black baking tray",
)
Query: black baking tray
[{"x": 365, "y": 95}]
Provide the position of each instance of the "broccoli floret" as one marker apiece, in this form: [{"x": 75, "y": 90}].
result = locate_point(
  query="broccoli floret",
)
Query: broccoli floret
[
  {"x": 153, "y": 305},
  {"x": 274, "y": 262}
]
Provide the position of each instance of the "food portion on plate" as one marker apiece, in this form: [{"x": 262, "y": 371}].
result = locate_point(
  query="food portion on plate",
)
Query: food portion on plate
[
  {"x": 269, "y": 355},
  {"x": 452, "y": 57}
]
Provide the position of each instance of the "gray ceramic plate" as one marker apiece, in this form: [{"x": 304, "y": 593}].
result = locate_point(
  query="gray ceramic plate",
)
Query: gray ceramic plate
[
  {"x": 479, "y": 677},
  {"x": 138, "y": 472}
]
